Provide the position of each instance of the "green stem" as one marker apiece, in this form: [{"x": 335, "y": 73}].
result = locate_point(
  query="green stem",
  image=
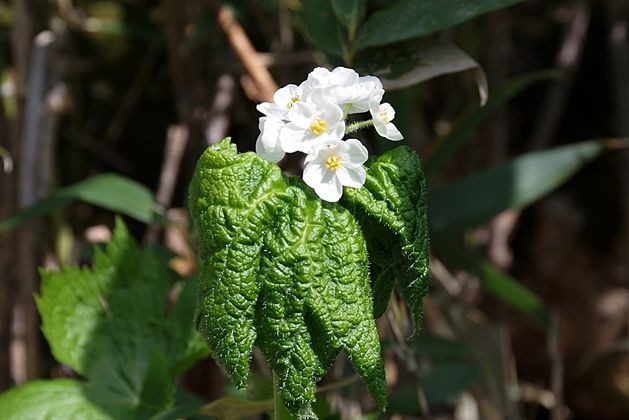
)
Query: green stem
[
  {"x": 358, "y": 125},
  {"x": 276, "y": 398}
]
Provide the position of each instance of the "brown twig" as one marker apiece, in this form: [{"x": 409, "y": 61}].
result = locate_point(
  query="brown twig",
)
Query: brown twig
[
  {"x": 242, "y": 46},
  {"x": 218, "y": 123},
  {"x": 176, "y": 142},
  {"x": 34, "y": 176},
  {"x": 557, "y": 368}
]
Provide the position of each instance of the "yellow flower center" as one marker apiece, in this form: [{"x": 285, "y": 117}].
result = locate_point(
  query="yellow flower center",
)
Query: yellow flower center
[
  {"x": 333, "y": 162},
  {"x": 292, "y": 101},
  {"x": 384, "y": 117},
  {"x": 318, "y": 126}
]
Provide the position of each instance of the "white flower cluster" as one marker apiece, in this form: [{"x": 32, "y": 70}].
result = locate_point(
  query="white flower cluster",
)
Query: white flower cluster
[{"x": 311, "y": 118}]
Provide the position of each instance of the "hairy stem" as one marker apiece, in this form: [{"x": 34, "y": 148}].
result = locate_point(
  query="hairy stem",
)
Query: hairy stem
[{"x": 358, "y": 125}]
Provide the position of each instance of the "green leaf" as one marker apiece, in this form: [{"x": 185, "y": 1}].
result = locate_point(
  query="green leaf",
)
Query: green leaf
[
  {"x": 494, "y": 281},
  {"x": 502, "y": 286},
  {"x": 108, "y": 324},
  {"x": 391, "y": 208},
  {"x": 406, "y": 64},
  {"x": 321, "y": 26},
  {"x": 186, "y": 405},
  {"x": 109, "y": 191},
  {"x": 477, "y": 198},
  {"x": 445, "y": 147},
  {"x": 53, "y": 399},
  {"x": 411, "y": 18},
  {"x": 350, "y": 13},
  {"x": 445, "y": 380},
  {"x": 228, "y": 408},
  {"x": 283, "y": 270}
]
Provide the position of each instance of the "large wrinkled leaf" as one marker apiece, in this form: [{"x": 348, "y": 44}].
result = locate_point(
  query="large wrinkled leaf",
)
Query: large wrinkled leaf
[
  {"x": 391, "y": 208},
  {"x": 283, "y": 270},
  {"x": 109, "y": 324},
  {"x": 412, "y": 18},
  {"x": 514, "y": 184},
  {"x": 110, "y": 191}
]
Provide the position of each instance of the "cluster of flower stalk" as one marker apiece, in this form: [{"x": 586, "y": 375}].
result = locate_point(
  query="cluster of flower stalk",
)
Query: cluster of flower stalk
[{"x": 312, "y": 118}]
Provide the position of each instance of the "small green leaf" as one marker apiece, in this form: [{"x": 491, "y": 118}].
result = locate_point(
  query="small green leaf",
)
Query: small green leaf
[
  {"x": 109, "y": 191},
  {"x": 108, "y": 324},
  {"x": 445, "y": 380},
  {"x": 391, "y": 208},
  {"x": 445, "y": 147},
  {"x": 502, "y": 286},
  {"x": 406, "y": 64},
  {"x": 228, "y": 408},
  {"x": 477, "y": 198},
  {"x": 321, "y": 26},
  {"x": 411, "y": 18},
  {"x": 283, "y": 270},
  {"x": 53, "y": 399},
  {"x": 350, "y": 13},
  {"x": 494, "y": 281}
]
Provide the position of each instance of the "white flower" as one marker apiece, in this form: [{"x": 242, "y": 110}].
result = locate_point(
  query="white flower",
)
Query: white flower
[
  {"x": 334, "y": 165},
  {"x": 268, "y": 144},
  {"x": 382, "y": 115},
  {"x": 311, "y": 124},
  {"x": 283, "y": 101},
  {"x": 351, "y": 92}
]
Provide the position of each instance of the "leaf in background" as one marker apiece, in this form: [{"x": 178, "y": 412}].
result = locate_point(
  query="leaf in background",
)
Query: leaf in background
[
  {"x": 53, "y": 399},
  {"x": 445, "y": 147},
  {"x": 477, "y": 198},
  {"x": 229, "y": 408},
  {"x": 391, "y": 208},
  {"x": 322, "y": 27},
  {"x": 109, "y": 191},
  {"x": 445, "y": 380},
  {"x": 281, "y": 269},
  {"x": 406, "y": 64},
  {"x": 411, "y": 18},
  {"x": 502, "y": 286},
  {"x": 433, "y": 346},
  {"x": 108, "y": 324},
  {"x": 494, "y": 281},
  {"x": 350, "y": 13}
]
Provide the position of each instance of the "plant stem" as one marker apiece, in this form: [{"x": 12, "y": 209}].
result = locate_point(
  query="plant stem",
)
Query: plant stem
[
  {"x": 358, "y": 125},
  {"x": 276, "y": 398}
]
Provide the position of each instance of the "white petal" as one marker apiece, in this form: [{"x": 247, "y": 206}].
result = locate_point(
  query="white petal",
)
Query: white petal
[
  {"x": 379, "y": 125},
  {"x": 284, "y": 96},
  {"x": 343, "y": 76},
  {"x": 388, "y": 110},
  {"x": 392, "y": 133},
  {"x": 351, "y": 176},
  {"x": 317, "y": 78},
  {"x": 330, "y": 191},
  {"x": 293, "y": 139},
  {"x": 357, "y": 153},
  {"x": 272, "y": 110},
  {"x": 301, "y": 114},
  {"x": 313, "y": 173}
]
